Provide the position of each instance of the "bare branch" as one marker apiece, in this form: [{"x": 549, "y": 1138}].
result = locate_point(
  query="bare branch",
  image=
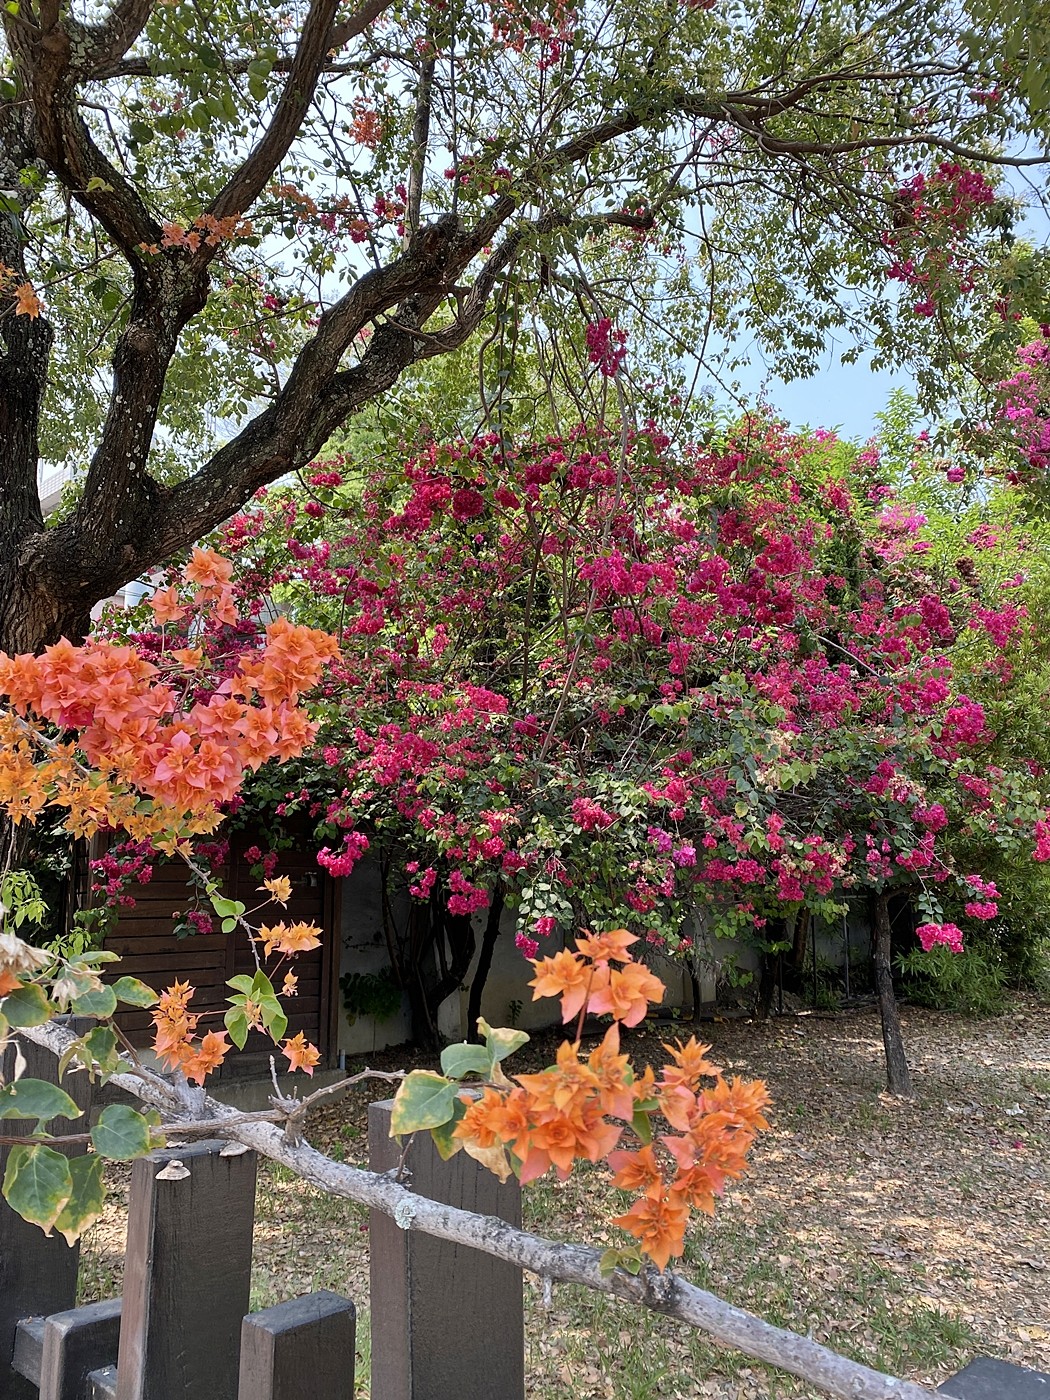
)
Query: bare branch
[{"x": 420, "y": 138}]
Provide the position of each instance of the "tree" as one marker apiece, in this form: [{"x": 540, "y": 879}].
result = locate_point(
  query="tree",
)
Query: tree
[
  {"x": 610, "y": 683},
  {"x": 266, "y": 214}
]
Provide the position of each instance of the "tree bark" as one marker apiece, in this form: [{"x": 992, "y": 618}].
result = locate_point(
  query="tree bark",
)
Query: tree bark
[
  {"x": 766, "y": 985},
  {"x": 694, "y": 987},
  {"x": 898, "y": 1075},
  {"x": 767, "y": 975}
]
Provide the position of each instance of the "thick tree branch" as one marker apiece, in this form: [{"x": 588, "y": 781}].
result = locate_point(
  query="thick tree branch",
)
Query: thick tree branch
[
  {"x": 667, "y": 1293},
  {"x": 318, "y": 39},
  {"x": 105, "y": 43},
  {"x": 63, "y": 141}
]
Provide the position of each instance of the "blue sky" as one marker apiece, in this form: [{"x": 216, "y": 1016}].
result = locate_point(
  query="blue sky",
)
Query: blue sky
[{"x": 846, "y": 397}]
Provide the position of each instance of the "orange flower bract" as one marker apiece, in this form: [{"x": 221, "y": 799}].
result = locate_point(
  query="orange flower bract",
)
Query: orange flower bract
[{"x": 301, "y": 1054}]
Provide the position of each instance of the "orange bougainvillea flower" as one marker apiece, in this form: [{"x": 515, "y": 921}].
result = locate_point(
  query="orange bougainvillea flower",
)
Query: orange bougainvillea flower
[
  {"x": 690, "y": 1064},
  {"x": 626, "y": 994},
  {"x": 658, "y": 1223},
  {"x": 297, "y": 938},
  {"x": 207, "y": 1056},
  {"x": 166, "y": 606},
  {"x": 27, "y": 303},
  {"x": 745, "y": 1099},
  {"x": 637, "y": 1171},
  {"x": 301, "y": 1054},
  {"x": 279, "y": 889},
  {"x": 606, "y": 947},
  {"x": 614, "y": 1076},
  {"x": 173, "y": 1025},
  {"x": 698, "y": 1186},
  {"x": 563, "y": 975},
  {"x": 207, "y": 568},
  {"x": 290, "y": 985},
  {"x": 8, "y": 981}
]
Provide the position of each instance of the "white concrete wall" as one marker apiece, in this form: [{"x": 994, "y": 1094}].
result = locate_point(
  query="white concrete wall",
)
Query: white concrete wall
[{"x": 364, "y": 950}]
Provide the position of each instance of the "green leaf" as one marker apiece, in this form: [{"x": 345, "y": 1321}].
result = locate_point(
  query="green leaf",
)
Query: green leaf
[
  {"x": 424, "y": 1100},
  {"x": 237, "y": 1024},
  {"x": 447, "y": 1146},
  {"x": 37, "y": 1184},
  {"x": 88, "y": 1198},
  {"x": 28, "y": 1006},
  {"x": 120, "y": 1133},
  {"x": 227, "y": 908},
  {"x": 36, "y": 1098},
  {"x": 241, "y": 983},
  {"x": 100, "y": 1001},
  {"x": 134, "y": 992},
  {"x": 462, "y": 1059},
  {"x": 228, "y": 925},
  {"x": 501, "y": 1042},
  {"x": 274, "y": 1021},
  {"x": 627, "y": 1258},
  {"x": 642, "y": 1126},
  {"x": 100, "y": 1046}
]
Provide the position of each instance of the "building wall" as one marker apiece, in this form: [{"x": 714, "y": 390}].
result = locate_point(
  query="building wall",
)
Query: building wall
[{"x": 364, "y": 951}]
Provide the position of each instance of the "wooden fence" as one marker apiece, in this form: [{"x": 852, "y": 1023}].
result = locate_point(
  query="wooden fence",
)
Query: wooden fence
[{"x": 446, "y": 1321}]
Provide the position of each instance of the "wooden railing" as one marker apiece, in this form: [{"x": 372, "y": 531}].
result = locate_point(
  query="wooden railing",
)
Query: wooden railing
[{"x": 446, "y": 1321}]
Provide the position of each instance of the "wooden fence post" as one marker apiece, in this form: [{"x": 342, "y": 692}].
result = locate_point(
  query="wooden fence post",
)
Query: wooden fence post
[
  {"x": 446, "y": 1321},
  {"x": 76, "y": 1343},
  {"x": 303, "y": 1347},
  {"x": 187, "y": 1274},
  {"x": 38, "y": 1274}
]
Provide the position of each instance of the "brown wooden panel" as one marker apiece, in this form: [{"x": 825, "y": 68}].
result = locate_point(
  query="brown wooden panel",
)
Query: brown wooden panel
[
  {"x": 187, "y": 1275},
  {"x": 174, "y": 961},
  {"x": 310, "y": 1337},
  {"x": 156, "y": 943},
  {"x": 144, "y": 937}
]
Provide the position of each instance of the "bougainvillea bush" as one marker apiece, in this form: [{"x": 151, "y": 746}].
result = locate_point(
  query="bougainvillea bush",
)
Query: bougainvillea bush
[
  {"x": 156, "y": 746},
  {"x": 610, "y": 682}
]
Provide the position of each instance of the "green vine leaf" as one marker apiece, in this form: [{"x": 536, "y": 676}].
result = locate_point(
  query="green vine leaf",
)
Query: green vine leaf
[
  {"x": 121, "y": 1134},
  {"x": 37, "y": 1184},
  {"x": 87, "y": 1200},
  {"x": 424, "y": 1100}
]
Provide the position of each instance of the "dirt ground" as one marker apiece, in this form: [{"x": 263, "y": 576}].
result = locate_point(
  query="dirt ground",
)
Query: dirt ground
[{"x": 913, "y": 1236}]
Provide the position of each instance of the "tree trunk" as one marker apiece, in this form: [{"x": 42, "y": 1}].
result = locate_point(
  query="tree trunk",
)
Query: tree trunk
[
  {"x": 488, "y": 944},
  {"x": 768, "y": 968},
  {"x": 898, "y": 1075},
  {"x": 766, "y": 985},
  {"x": 800, "y": 940},
  {"x": 694, "y": 986}
]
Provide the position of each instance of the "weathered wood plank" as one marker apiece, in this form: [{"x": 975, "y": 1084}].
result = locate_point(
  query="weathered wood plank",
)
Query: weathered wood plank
[
  {"x": 102, "y": 1384},
  {"x": 136, "y": 944},
  {"x": 446, "y": 1321},
  {"x": 38, "y": 1275},
  {"x": 187, "y": 1274},
  {"x": 312, "y": 1337},
  {"x": 29, "y": 1349},
  {"x": 985, "y": 1379},
  {"x": 75, "y": 1343}
]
